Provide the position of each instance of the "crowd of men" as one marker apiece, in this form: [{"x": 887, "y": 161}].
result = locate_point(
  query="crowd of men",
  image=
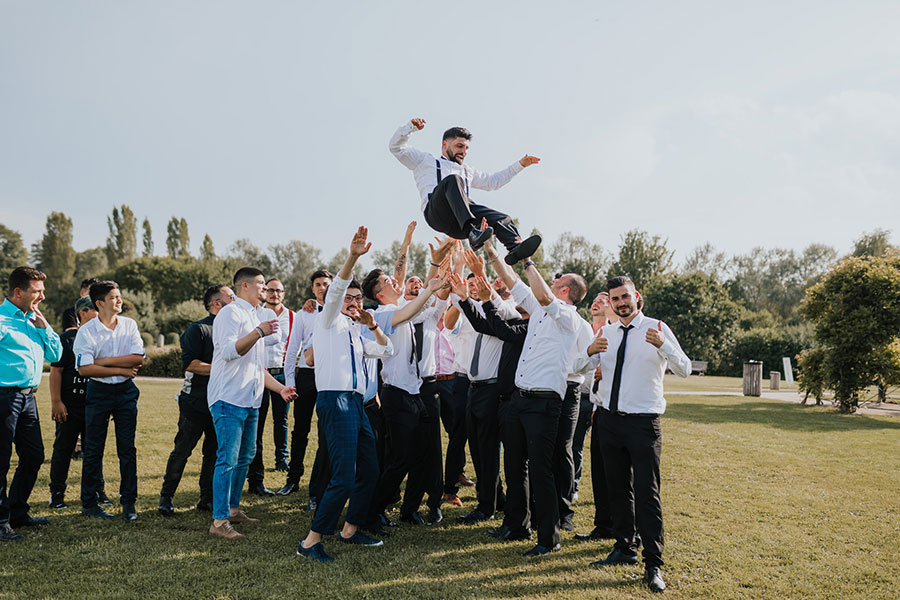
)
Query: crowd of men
[{"x": 507, "y": 363}]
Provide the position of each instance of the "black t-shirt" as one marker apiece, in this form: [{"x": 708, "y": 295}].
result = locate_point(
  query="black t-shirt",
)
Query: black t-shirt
[
  {"x": 73, "y": 386},
  {"x": 196, "y": 344},
  {"x": 70, "y": 318}
]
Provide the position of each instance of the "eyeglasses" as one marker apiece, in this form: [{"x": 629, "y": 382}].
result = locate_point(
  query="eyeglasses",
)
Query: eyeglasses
[
  {"x": 348, "y": 299},
  {"x": 274, "y": 291}
]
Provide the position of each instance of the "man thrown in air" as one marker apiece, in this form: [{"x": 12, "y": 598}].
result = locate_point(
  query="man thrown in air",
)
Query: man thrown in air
[{"x": 444, "y": 184}]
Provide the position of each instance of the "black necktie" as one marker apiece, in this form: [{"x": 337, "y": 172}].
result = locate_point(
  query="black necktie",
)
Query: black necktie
[
  {"x": 476, "y": 355},
  {"x": 319, "y": 308},
  {"x": 617, "y": 374},
  {"x": 413, "y": 352},
  {"x": 419, "y": 338},
  {"x": 596, "y": 386}
]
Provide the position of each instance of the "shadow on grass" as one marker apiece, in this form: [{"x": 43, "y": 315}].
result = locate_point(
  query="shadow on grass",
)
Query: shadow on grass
[{"x": 775, "y": 414}]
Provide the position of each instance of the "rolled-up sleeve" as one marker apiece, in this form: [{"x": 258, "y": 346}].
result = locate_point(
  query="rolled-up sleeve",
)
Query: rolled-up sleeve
[
  {"x": 83, "y": 348},
  {"x": 225, "y": 333},
  {"x": 524, "y": 297},
  {"x": 372, "y": 349},
  {"x": 52, "y": 344}
]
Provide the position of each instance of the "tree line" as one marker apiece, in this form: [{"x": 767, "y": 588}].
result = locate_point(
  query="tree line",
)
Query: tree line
[{"x": 724, "y": 309}]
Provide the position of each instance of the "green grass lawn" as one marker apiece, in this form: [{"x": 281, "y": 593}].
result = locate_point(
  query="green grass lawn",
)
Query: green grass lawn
[{"x": 762, "y": 499}]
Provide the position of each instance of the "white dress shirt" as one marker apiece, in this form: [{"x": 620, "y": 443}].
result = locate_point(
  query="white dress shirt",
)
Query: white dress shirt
[
  {"x": 400, "y": 370},
  {"x": 546, "y": 358},
  {"x": 641, "y": 387},
  {"x": 491, "y": 347},
  {"x": 299, "y": 342},
  {"x": 443, "y": 354},
  {"x": 428, "y": 320},
  {"x": 275, "y": 348},
  {"x": 236, "y": 379},
  {"x": 582, "y": 340},
  {"x": 422, "y": 164},
  {"x": 339, "y": 348},
  {"x": 95, "y": 340}
]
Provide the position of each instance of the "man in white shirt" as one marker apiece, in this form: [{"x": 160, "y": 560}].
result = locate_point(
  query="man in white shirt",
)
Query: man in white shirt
[
  {"x": 444, "y": 183},
  {"x": 533, "y": 415},
  {"x": 275, "y": 345},
  {"x": 400, "y": 399},
  {"x": 632, "y": 402},
  {"x": 341, "y": 378},
  {"x": 237, "y": 379},
  {"x": 109, "y": 350},
  {"x": 305, "y": 377}
]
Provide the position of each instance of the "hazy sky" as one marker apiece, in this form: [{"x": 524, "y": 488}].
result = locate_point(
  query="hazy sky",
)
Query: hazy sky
[{"x": 741, "y": 124}]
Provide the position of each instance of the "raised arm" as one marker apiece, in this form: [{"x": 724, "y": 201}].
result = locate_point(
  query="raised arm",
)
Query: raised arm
[
  {"x": 538, "y": 286},
  {"x": 409, "y": 157},
  {"x": 403, "y": 258},
  {"x": 504, "y": 271},
  {"x": 411, "y": 309}
]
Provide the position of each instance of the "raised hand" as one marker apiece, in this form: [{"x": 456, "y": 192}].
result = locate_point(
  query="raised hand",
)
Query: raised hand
[
  {"x": 418, "y": 123},
  {"x": 655, "y": 336},
  {"x": 269, "y": 327},
  {"x": 38, "y": 321},
  {"x": 600, "y": 344},
  {"x": 475, "y": 263},
  {"x": 438, "y": 281},
  {"x": 309, "y": 306},
  {"x": 359, "y": 245},
  {"x": 364, "y": 317},
  {"x": 458, "y": 286},
  {"x": 407, "y": 239},
  {"x": 485, "y": 293},
  {"x": 527, "y": 160},
  {"x": 442, "y": 250}
]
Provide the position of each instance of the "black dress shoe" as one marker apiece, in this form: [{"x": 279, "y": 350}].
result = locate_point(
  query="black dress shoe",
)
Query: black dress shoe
[
  {"x": 261, "y": 490},
  {"x": 129, "y": 515},
  {"x": 539, "y": 550},
  {"x": 616, "y": 557},
  {"x": 477, "y": 237},
  {"x": 96, "y": 512},
  {"x": 413, "y": 519},
  {"x": 204, "y": 506},
  {"x": 476, "y": 516},
  {"x": 385, "y": 521},
  {"x": 524, "y": 250},
  {"x": 289, "y": 488},
  {"x": 377, "y": 528},
  {"x": 103, "y": 499},
  {"x": 57, "y": 500},
  {"x": 166, "y": 508},
  {"x": 27, "y": 521},
  {"x": 567, "y": 524},
  {"x": 505, "y": 534},
  {"x": 654, "y": 580},
  {"x": 597, "y": 534},
  {"x": 8, "y": 534},
  {"x": 499, "y": 532},
  {"x": 360, "y": 539},
  {"x": 282, "y": 465},
  {"x": 435, "y": 516}
]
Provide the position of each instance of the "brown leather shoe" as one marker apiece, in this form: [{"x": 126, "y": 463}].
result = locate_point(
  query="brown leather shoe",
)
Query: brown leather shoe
[
  {"x": 225, "y": 531},
  {"x": 452, "y": 499},
  {"x": 463, "y": 480},
  {"x": 241, "y": 517}
]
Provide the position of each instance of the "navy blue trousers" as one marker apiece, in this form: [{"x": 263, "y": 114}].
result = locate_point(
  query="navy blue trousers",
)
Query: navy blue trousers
[
  {"x": 102, "y": 401},
  {"x": 19, "y": 424}
]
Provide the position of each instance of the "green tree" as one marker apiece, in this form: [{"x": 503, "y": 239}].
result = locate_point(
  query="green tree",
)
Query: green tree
[
  {"x": 706, "y": 259},
  {"x": 245, "y": 254},
  {"x": 12, "y": 251},
  {"x": 293, "y": 263},
  {"x": 855, "y": 311},
  {"x": 178, "y": 241},
  {"x": 171, "y": 281},
  {"x": 207, "y": 251},
  {"x": 121, "y": 245},
  {"x": 576, "y": 254},
  {"x": 90, "y": 263},
  {"x": 642, "y": 257},
  {"x": 418, "y": 259},
  {"x": 148, "y": 238},
  {"x": 874, "y": 243}
]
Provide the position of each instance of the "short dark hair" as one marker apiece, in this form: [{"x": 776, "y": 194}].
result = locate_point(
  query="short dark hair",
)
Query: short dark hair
[
  {"x": 87, "y": 283},
  {"x": 246, "y": 274},
  {"x": 210, "y": 294},
  {"x": 455, "y": 132},
  {"x": 369, "y": 283},
  {"x": 271, "y": 279},
  {"x": 21, "y": 278},
  {"x": 614, "y": 282},
  {"x": 321, "y": 273},
  {"x": 471, "y": 275},
  {"x": 100, "y": 290},
  {"x": 577, "y": 287},
  {"x": 353, "y": 285}
]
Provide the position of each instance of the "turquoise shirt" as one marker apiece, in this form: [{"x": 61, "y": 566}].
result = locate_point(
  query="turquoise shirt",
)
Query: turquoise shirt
[{"x": 24, "y": 347}]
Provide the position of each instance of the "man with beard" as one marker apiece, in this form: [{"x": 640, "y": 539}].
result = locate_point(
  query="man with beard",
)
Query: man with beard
[
  {"x": 444, "y": 184},
  {"x": 629, "y": 423}
]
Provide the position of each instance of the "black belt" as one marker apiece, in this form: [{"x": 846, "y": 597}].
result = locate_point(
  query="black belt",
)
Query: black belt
[
  {"x": 458, "y": 374},
  {"x": 23, "y": 390},
  {"x": 620, "y": 413},
  {"x": 539, "y": 394},
  {"x": 276, "y": 370},
  {"x": 484, "y": 382}
]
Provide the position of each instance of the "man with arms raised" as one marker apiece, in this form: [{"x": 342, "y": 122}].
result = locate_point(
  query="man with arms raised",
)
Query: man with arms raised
[{"x": 26, "y": 341}]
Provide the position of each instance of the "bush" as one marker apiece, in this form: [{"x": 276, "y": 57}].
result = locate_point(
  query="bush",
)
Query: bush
[
  {"x": 178, "y": 317},
  {"x": 171, "y": 338},
  {"x": 149, "y": 342},
  {"x": 769, "y": 345},
  {"x": 163, "y": 362}
]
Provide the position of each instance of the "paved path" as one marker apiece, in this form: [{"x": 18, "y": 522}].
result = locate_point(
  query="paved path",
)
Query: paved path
[{"x": 868, "y": 408}]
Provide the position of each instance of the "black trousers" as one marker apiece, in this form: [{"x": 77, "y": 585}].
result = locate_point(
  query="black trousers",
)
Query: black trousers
[
  {"x": 64, "y": 443},
  {"x": 602, "y": 516},
  {"x": 530, "y": 432},
  {"x": 634, "y": 443},
  {"x": 450, "y": 211},
  {"x": 563, "y": 461},
  {"x": 190, "y": 430},
  {"x": 19, "y": 425},
  {"x": 484, "y": 443},
  {"x": 102, "y": 401},
  {"x": 505, "y": 401},
  {"x": 456, "y": 444},
  {"x": 304, "y": 406},
  {"x": 403, "y": 414},
  {"x": 585, "y": 416},
  {"x": 431, "y": 421}
]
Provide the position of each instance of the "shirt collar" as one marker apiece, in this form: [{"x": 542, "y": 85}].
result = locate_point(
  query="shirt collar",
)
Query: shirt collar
[
  {"x": 635, "y": 322},
  {"x": 240, "y": 302},
  {"x": 11, "y": 310}
]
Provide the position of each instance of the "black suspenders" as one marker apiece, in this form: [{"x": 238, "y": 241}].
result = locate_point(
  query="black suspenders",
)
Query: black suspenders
[{"x": 437, "y": 165}]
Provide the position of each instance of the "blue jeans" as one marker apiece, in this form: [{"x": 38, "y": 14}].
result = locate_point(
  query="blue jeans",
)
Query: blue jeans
[
  {"x": 236, "y": 435},
  {"x": 354, "y": 466}
]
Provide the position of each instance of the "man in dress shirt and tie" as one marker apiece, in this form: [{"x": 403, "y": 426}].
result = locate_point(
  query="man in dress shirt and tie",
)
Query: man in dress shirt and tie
[
  {"x": 304, "y": 376},
  {"x": 534, "y": 410},
  {"x": 342, "y": 378},
  {"x": 632, "y": 402},
  {"x": 237, "y": 379},
  {"x": 444, "y": 183},
  {"x": 26, "y": 341}
]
